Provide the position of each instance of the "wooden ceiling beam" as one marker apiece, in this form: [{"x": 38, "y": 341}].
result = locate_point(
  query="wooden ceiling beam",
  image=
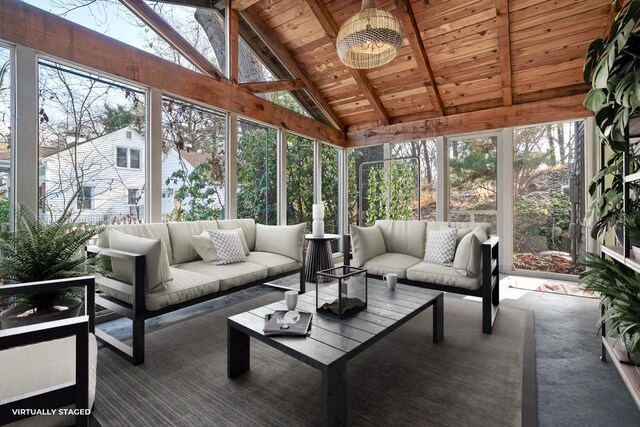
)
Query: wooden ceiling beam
[
  {"x": 241, "y": 5},
  {"x": 273, "y": 86},
  {"x": 190, "y": 3},
  {"x": 53, "y": 36},
  {"x": 287, "y": 59},
  {"x": 504, "y": 50},
  {"x": 551, "y": 110},
  {"x": 615, "y": 8},
  {"x": 231, "y": 43},
  {"x": 330, "y": 27},
  {"x": 171, "y": 36},
  {"x": 419, "y": 53}
]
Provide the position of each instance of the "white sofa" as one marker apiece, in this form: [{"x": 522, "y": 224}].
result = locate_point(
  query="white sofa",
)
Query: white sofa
[
  {"x": 186, "y": 279},
  {"x": 399, "y": 247}
]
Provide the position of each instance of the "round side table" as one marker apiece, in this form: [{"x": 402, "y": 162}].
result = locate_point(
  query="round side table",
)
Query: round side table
[{"x": 319, "y": 256}]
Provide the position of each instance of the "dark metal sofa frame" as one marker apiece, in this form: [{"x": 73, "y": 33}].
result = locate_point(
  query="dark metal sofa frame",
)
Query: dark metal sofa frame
[
  {"x": 137, "y": 311},
  {"x": 489, "y": 290},
  {"x": 65, "y": 394}
]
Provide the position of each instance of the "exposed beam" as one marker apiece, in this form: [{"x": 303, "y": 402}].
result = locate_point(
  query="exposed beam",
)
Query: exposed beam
[
  {"x": 504, "y": 50},
  {"x": 193, "y": 3},
  {"x": 240, "y": 5},
  {"x": 275, "y": 86},
  {"x": 231, "y": 42},
  {"x": 330, "y": 27},
  {"x": 171, "y": 36},
  {"x": 615, "y": 8},
  {"x": 419, "y": 52},
  {"x": 29, "y": 26},
  {"x": 494, "y": 118},
  {"x": 287, "y": 59}
]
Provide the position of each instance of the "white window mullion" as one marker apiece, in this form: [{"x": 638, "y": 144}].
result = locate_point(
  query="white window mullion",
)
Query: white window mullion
[
  {"x": 154, "y": 157},
  {"x": 231, "y": 168},
  {"x": 281, "y": 172}
]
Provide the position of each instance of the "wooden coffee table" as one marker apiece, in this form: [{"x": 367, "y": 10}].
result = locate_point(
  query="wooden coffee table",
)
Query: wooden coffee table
[{"x": 334, "y": 341}]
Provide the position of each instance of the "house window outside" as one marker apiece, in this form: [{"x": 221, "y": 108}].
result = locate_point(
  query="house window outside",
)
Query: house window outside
[
  {"x": 134, "y": 159},
  {"x": 85, "y": 198},
  {"x": 121, "y": 157}
]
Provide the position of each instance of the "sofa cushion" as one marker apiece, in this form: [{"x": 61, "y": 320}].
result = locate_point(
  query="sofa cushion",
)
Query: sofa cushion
[
  {"x": 390, "y": 263},
  {"x": 148, "y": 231},
  {"x": 367, "y": 243},
  {"x": 468, "y": 256},
  {"x": 287, "y": 240},
  {"x": 441, "y": 246},
  {"x": 403, "y": 237},
  {"x": 441, "y": 275},
  {"x": 228, "y": 246},
  {"x": 180, "y": 234},
  {"x": 248, "y": 226},
  {"x": 44, "y": 371},
  {"x": 204, "y": 247},
  {"x": 274, "y": 263},
  {"x": 186, "y": 285},
  {"x": 230, "y": 275},
  {"x": 156, "y": 261}
]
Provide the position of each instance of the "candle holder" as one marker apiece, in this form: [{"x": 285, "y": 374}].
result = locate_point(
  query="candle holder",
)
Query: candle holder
[
  {"x": 317, "y": 228},
  {"x": 345, "y": 295}
]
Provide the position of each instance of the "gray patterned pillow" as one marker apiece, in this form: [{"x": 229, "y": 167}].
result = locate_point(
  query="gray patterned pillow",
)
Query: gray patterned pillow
[
  {"x": 441, "y": 246},
  {"x": 228, "y": 246}
]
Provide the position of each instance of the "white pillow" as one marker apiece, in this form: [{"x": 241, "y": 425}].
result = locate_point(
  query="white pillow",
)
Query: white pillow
[
  {"x": 228, "y": 246},
  {"x": 468, "y": 253},
  {"x": 204, "y": 246},
  {"x": 367, "y": 243},
  {"x": 441, "y": 246},
  {"x": 287, "y": 240},
  {"x": 157, "y": 270}
]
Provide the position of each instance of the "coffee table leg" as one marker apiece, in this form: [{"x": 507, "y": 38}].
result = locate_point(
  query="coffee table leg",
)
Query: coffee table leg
[
  {"x": 334, "y": 394},
  {"x": 238, "y": 351},
  {"x": 438, "y": 318}
]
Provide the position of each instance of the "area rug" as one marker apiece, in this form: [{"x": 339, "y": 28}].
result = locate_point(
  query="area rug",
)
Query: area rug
[
  {"x": 555, "y": 287},
  {"x": 468, "y": 379}
]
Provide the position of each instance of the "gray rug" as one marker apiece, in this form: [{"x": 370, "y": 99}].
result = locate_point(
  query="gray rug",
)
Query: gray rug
[{"x": 468, "y": 379}]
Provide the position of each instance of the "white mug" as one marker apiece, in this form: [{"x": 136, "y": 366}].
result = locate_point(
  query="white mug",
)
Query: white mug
[
  {"x": 391, "y": 279},
  {"x": 291, "y": 298}
]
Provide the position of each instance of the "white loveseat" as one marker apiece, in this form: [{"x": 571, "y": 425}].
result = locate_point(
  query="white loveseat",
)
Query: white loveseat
[
  {"x": 399, "y": 247},
  {"x": 183, "y": 277}
]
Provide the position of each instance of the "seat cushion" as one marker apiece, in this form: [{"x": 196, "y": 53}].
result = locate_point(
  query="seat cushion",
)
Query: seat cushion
[
  {"x": 180, "y": 234},
  {"x": 44, "y": 370},
  {"x": 367, "y": 243},
  {"x": 403, "y": 237},
  {"x": 391, "y": 263},
  {"x": 441, "y": 275},
  {"x": 185, "y": 286},
  {"x": 248, "y": 226},
  {"x": 274, "y": 263},
  {"x": 287, "y": 240},
  {"x": 230, "y": 275}
]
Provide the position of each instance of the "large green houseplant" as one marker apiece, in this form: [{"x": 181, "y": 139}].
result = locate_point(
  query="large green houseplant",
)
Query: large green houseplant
[
  {"x": 612, "y": 68},
  {"x": 39, "y": 251}
]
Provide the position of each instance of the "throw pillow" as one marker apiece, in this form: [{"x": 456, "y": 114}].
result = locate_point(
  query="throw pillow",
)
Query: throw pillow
[
  {"x": 204, "y": 246},
  {"x": 441, "y": 246},
  {"x": 228, "y": 246},
  {"x": 468, "y": 254},
  {"x": 287, "y": 240},
  {"x": 367, "y": 243},
  {"x": 157, "y": 270}
]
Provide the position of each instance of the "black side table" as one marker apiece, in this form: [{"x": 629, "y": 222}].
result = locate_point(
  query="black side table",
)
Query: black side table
[{"x": 319, "y": 256}]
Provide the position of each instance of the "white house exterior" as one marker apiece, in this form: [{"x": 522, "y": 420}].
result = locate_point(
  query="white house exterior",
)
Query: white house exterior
[{"x": 109, "y": 170}]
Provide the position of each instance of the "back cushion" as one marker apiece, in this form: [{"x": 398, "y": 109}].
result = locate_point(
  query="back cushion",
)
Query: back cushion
[
  {"x": 287, "y": 240},
  {"x": 148, "y": 231},
  {"x": 248, "y": 226},
  {"x": 367, "y": 243},
  {"x": 468, "y": 253},
  {"x": 180, "y": 233},
  {"x": 403, "y": 237}
]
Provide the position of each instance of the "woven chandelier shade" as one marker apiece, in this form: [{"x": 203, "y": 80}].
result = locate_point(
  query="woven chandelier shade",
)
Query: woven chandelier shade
[{"x": 370, "y": 38}]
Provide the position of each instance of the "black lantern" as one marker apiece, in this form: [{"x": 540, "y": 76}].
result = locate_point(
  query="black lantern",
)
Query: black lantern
[{"x": 341, "y": 291}]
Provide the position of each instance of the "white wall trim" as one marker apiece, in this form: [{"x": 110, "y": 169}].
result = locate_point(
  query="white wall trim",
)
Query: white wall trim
[
  {"x": 153, "y": 173},
  {"x": 281, "y": 172},
  {"x": 442, "y": 179},
  {"x": 504, "y": 187},
  {"x": 317, "y": 171},
  {"x": 231, "y": 168}
]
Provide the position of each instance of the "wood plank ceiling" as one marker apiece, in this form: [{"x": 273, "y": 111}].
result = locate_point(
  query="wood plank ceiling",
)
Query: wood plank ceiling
[{"x": 482, "y": 54}]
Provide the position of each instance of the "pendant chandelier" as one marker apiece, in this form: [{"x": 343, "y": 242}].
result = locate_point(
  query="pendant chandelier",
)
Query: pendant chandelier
[{"x": 370, "y": 38}]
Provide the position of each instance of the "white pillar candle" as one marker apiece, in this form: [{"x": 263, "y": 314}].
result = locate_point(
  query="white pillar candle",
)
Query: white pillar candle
[
  {"x": 318, "y": 211},
  {"x": 318, "y": 228}
]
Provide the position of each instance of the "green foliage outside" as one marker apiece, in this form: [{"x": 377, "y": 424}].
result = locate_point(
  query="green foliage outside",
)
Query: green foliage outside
[
  {"x": 197, "y": 187},
  {"x": 395, "y": 187},
  {"x": 299, "y": 180},
  {"x": 545, "y": 216}
]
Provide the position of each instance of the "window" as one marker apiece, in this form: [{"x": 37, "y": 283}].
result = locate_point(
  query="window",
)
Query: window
[
  {"x": 133, "y": 196},
  {"x": 121, "y": 157},
  {"x": 299, "y": 180},
  {"x": 85, "y": 198},
  {"x": 134, "y": 159},
  {"x": 5, "y": 135}
]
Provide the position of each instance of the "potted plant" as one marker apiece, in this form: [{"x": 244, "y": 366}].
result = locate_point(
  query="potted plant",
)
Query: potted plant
[
  {"x": 612, "y": 68},
  {"x": 619, "y": 289},
  {"x": 39, "y": 251}
]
